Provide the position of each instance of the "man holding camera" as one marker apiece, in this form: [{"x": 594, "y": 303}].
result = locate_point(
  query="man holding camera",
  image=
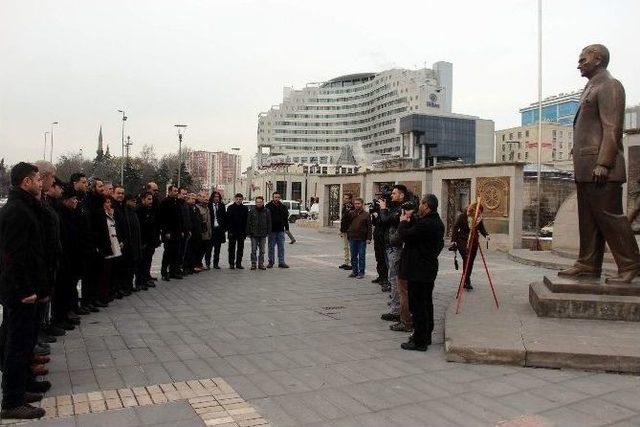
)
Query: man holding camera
[
  {"x": 388, "y": 221},
  {"x": 423, "y": 238}
]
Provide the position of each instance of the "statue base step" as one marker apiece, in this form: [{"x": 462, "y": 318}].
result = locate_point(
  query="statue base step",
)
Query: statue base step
[{"x": 585, "y": 299}]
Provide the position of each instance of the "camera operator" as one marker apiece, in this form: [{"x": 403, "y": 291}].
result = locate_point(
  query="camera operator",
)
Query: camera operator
[
  {"x": 388, "y": 222},
  {"x": 379, "y": 245},
  {"x": 345, "y": 220},
  {"x": 423, "y": 238}
]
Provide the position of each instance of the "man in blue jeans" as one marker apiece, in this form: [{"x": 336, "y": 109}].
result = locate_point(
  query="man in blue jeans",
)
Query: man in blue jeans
[
  {"x": 279, "y": 224},
  {"x": 359, "y": 235}
]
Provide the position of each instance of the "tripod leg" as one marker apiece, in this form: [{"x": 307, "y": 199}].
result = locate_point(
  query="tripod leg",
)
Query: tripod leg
[
  {"x": 493, "y": 290},
  {"x": 465, "y": 272}
]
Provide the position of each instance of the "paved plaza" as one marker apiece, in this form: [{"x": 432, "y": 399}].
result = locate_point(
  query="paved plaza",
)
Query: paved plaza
[{"x": 306, "y": 346}]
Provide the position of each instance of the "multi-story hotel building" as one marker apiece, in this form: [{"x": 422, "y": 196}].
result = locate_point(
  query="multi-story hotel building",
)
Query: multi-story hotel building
[
  {"x": 555, "y": 109},
  {"x": 311, "y": 125}
]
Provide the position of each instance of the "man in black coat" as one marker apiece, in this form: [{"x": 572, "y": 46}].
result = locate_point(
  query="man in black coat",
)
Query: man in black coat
[
  {"x": 279, "y": 224},
  {"x": 170, "y": 230},
  {"x": 237, "y": 215},
  {"x": 195, "y": 240},
  {"x": 123, "y": 266},
  {"x": 23, "y": 276},
  {"x": 423, "y": 237},
  {"x": 65, "y": 298},
  {"x": 149, "y": 239},
  {"x": 218, "y": 229},
  {"x": 185, "y": 226},
  {"x": 347, "y": 207}
]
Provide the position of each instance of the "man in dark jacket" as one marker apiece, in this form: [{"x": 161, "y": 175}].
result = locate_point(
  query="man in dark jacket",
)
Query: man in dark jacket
[
  {"x": 460, "y": 234},
  {"x": 133, "y": 250},
  {"x": 149, "y": 239},
  {"x": 65, "y": 298},
  {"x": 388, "y": 222},
  {"x": 423, "y": 238},
  {"x": 279, "y": 224},
  {"x": 359, "y": 235},
  {"x": 195, "y": 241},
  {"x": 169, "y": 222},
  {"x": 258, "y": 228},
  {"x": 237, "y": 215},
  {"x": 123, "y": 268},
  {"x": 185, "y": 226},
  {"x": 347, "y": 206},
  {"x": 23, "y": 274},
  {"x": 218, "y": 228}
]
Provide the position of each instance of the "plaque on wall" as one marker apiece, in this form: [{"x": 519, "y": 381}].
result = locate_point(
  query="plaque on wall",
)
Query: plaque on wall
[
  {"x": 633, "y": 182},
  {"x": 495, "y": 196},
  {"x": 352, "y": 187}
]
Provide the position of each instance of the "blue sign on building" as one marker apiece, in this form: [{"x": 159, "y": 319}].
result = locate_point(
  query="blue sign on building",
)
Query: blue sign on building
[{"x": 561, "y": 112}]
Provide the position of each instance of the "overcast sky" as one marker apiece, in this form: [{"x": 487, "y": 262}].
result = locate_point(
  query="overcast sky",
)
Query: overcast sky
[{"x": 215, "y": 65}]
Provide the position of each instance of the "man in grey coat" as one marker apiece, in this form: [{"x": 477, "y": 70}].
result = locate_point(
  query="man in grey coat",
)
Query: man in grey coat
[{"x": 258, "y": 228}]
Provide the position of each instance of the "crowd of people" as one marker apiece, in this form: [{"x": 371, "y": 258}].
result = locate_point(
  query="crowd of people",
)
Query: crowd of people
[
  {"x": 71, "y": 249},
  {"x": 408, "y": 236}
]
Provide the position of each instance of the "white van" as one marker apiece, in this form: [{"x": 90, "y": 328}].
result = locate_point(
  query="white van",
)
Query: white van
[{"x": 292, "y": 205}]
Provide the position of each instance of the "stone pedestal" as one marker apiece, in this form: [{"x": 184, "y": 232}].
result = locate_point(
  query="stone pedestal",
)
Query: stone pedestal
[{"x": 580, "y": 299}]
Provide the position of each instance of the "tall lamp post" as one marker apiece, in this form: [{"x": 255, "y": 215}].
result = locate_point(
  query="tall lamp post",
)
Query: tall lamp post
[
  {"x": 44, "y": 150},
  {"x": 124, "y": 119},
  {"x": 181, "y": 129},
  {"x": 235, "y": 167},
  {"x": 51, "y": 152}
]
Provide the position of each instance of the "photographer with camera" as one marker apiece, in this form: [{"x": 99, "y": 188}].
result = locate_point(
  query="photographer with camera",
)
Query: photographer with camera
[
  {"x": 379, "y": 246},
  {"x": 423, "y": 236},
  {"x": 388, "y": 222},
  {"x": 347, "y": 207}
]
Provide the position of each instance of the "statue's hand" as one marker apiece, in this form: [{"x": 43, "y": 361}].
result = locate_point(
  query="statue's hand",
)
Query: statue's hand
[{"x": 600, "y": 174}]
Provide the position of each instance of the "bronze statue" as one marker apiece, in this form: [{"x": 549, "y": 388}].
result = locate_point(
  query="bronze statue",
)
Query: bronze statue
[{"x": 599, "y": 170}]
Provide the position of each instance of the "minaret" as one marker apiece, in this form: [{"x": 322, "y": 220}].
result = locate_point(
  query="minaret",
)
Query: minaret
[{"x": 100, "y": 152}]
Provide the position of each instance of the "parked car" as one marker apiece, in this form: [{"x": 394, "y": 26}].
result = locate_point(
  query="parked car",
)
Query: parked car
[
  {"x": 547, "y": 230},
  {"x": 292, "y": 205}
]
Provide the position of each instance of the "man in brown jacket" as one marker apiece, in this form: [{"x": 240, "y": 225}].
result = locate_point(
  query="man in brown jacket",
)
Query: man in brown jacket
[
  {"x": 599, "y": 170},
  {"x": 359, "y": 235}
]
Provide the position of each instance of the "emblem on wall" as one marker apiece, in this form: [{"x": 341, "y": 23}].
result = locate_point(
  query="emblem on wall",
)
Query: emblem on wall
[{"x": 495, "y": 195}]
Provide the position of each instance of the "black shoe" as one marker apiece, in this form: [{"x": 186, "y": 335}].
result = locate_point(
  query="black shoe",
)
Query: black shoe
[
  {"x": 390, "y": 317},
  {"x": 65, "y": 325},
  {"x": 346, "y": 267},
  {"x": 136, "y": 289},
  {"x": 24, "y": 412},
  {"x": 352, "y": 275},
  {"x": 151, "y": 284},
  {"x": 376, "y": 280},
  {"x": 239, "y": 267},
  {"x": 82, "y": 311},
  {"x": 217, "y": 267},
  {"x": 32, "y": 397},
  {"x": 270, "y": 265},
  {"x": 262, "y": 267},
  {"x": 166, "y": 278},
  {"x": 47, "y": 338},
  {"x": 41, "y": 351},
  {"x": 38, "y": 386},
  {"x": 126, "y": 293},
  {"x": 468, "y": 287},
  {"x": 73, "y": 321},
  {"x": 253, "y": 267},
  {"x": 232, "y": 267},
  {"x": 386, "y": 288},
  {"x": 283, "y": 265},
  {"x": 101, "y": 304},
  {"x": 411, "y": 345},
  {"x": 54, "y": 331}
]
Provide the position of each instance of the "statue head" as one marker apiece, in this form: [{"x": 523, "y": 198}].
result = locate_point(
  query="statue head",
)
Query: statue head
[{"x": 592, "y": 59}]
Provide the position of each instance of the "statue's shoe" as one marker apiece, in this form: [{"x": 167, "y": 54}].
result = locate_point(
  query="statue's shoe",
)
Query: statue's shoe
[
  {"x": 623, "y": 278},
  {"x": 579, "y": 272}
]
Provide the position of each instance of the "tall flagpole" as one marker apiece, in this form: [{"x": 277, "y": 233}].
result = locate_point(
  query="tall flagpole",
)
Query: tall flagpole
[{"x": 539, "y": 124}]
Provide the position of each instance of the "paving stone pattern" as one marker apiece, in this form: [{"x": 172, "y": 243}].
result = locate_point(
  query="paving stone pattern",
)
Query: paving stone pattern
[{"x": 306, "y": 346}]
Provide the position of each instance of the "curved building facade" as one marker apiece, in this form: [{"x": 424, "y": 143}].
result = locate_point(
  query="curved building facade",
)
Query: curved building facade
[{"x": 362, "y": 111}]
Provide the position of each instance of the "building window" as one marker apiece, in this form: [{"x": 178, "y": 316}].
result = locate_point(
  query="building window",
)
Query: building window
[
  {"x": 519, "y": 135},
  {"x": 296, "y": 190},
  {"x": 503, "y": 136},
  {"x": 510, "y": 137},
  {"x": 526, "y": 133},
  {"x": 281, "y": 187},
  {"x": 526, "y": 155}
]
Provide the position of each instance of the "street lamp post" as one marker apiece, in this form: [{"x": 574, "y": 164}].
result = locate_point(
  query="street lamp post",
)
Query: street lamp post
[
  {"x": 44, "y": 150},
  {"x": 181, "y": 129},
  {"x": 51, "y": 152},
  {"x": 124, "y": 119},
  {"x": 235, "y": 167},
  {"x": 538, "y": 183}
]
